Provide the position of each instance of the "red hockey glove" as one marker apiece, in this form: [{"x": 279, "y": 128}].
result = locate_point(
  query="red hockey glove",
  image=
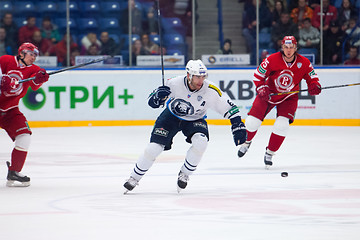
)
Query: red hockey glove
[
  {"x": 264, "y": 92},
  {"x": 8, "y": 83},
  {"x": 41, "y": 76},
  {"x": 314, "y": 88}
]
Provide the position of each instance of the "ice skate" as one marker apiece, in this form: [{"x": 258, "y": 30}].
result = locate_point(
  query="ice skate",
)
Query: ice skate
[
  {"x": 182, "y": 181},
  {"x": 243, "y": 148},
  {"x": 130, "y": 184},
  {"x": 16, "y": 179},
  {"x": 268, "y": 158}
]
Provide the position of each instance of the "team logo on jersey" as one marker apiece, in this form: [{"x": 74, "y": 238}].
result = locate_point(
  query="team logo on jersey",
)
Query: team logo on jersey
[
  {"x": 181, "y": 107},
  {"x": 199, "y": 98},
  {"x": 299, "y": 65},
  {"x": 15, "y": 76},
  {"x": 284, "y": 82}
]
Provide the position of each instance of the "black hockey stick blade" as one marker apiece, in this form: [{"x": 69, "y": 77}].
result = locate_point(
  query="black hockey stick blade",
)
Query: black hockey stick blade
[
  {"x": 71, "y": 67},
  {"x": 304, "y": 90}
]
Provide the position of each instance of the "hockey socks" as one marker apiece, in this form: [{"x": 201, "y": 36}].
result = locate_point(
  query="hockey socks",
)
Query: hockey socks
[
  {"x": 275, "y": 142},
  {"x": 17, "y": 160}
]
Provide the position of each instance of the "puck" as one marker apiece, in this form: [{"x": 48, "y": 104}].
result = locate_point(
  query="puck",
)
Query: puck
[{"x": 284, "y": 174}]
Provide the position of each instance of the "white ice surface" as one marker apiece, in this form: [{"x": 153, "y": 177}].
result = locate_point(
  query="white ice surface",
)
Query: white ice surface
[{"x": 77, "y": 176}]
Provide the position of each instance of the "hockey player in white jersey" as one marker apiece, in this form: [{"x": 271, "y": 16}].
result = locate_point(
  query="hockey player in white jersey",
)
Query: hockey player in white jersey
[{"x": 187, "y": 99}]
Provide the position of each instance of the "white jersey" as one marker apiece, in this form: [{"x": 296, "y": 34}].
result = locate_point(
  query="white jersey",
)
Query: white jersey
[{"x": 192, "y": 105}]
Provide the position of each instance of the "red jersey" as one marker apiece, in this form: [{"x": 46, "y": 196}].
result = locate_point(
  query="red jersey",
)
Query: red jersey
[
  {"x": 280, "y": 76},
  {"x": 10, "y": 66}
]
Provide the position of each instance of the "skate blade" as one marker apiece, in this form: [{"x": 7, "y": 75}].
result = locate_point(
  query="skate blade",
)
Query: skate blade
[
  {"x": 267, "y": 167},
  {"x": 11, "y": 183}
]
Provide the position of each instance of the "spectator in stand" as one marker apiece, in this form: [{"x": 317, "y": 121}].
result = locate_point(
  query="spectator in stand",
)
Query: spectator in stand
[
  {"x": 42, "y": 44},
  {"x": 314, "y": 3},
  {"x": 137, "y": 50},
  {"x": 333, "y": 44},
  {"x": 353, "y": 33},
  {"x": 272, "y": 4},
  {"x": 60, "y": 50},
  {"x": 353, "y": 56},
  {"x": 150, "y": 25},
  {"x": 226, "y": 48},
  {"x": 6, "y": 47},
  {"x": 309, "y": 36},
  {"x": 108, "y": 45},
  {"x": 285, "y": 27},
  {"x": 74, "y": 53},
  {"x": 278, "y": 9},
  {"x": 329, "y": 13},
  {"x": 301, "y": 12},
  {"x": 150, "y": 47},
  {"x": 11, "y": 29},
  {"x": 49, "y": 30},
  {"x": 265, "y": 19},
  {"x": 27, "y": 31},
  {"x": 249, "y": 25},
  {"x": 136, "y": 20},
  {"x": 93, "y": 50},
  {"x": 87, "y": 41},
  {"x": 345, "y": 13}
]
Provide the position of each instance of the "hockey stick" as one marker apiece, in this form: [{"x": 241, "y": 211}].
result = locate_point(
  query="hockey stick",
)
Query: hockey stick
[
  {"x": 303, "y": 90},
  {"x": 161, "y": 48},
  {"x": 70, "y": 68}
]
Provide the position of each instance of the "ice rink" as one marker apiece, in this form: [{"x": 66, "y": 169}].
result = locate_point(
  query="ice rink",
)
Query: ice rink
[{"x": 77, "y": 176}]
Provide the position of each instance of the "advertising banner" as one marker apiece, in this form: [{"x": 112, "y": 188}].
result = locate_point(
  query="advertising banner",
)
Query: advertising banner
[
  {"x": 155, "y": 60},
  {"x": 122, "y": 95},
  {"x": 229, "y": 59}
]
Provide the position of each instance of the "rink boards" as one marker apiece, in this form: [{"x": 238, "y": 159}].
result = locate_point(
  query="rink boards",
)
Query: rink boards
[{"x": 119, "y": 97}]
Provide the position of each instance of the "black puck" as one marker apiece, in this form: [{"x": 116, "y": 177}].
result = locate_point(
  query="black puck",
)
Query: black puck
[{"x": 284, "y": 174}]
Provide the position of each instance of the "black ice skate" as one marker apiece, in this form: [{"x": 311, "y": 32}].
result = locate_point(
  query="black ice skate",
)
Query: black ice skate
[
  {"x": 130, "y": 184},
  {"x": 16, "y": 179},
  {"x": 182, "y": 181},
  {"x": 243, "y": 148}
]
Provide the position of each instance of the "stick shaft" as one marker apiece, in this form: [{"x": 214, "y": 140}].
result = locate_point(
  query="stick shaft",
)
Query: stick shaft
[
  {"x": 304, "y": 90},
  {"x": 161, "y": 48},
  {"x": 70, "y": 68}
]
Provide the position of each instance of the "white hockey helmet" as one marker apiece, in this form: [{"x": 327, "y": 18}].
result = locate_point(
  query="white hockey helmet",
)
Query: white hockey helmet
[{"x": 196, "y": 67}]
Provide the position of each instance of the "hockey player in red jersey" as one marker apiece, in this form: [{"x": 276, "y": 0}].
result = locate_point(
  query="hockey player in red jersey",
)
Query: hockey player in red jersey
[
  {"x": 13, "y": 69},
  {"x": 280, "y": 72}
]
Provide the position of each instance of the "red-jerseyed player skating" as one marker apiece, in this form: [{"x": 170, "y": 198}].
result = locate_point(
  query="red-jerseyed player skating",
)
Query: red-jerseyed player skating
[
  {"x": 278, "y": 73},
  {"x": 14, "y": 69}
]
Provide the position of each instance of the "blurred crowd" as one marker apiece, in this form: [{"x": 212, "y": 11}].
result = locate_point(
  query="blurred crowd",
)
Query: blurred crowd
[
  {"x": 52, "y": 41},
  {"x": 299, "y": 18}
]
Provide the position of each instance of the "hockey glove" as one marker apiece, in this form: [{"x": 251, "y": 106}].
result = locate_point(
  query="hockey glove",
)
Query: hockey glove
[
  {"x": 314, "y": 88},
  {"x": 41, "y": 76},
  {"x": 238, "y": 130},
  {"x": 264, "y": 92},
  {"x": 158, "y": 97},
  {"x": 8, "y": 83}
]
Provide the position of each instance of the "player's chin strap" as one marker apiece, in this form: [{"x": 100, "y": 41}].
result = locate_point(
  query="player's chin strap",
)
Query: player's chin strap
[{"x": 21, "y": 59}]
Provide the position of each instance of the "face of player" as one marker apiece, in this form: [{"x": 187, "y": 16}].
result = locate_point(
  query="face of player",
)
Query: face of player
[
  {"x": 289, "y": 51},
  {"x": 29, "y": 57},
  {"x": 196, "y": 82}
]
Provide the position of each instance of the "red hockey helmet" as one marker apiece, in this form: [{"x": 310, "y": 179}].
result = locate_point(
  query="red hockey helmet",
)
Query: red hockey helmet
[
  {"x": 289, "y": 40},
  {"x": 28, "y": 47}
]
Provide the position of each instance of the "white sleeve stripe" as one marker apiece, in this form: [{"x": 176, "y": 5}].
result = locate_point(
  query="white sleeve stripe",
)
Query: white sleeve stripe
[{"x": 259, "y": 74}]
